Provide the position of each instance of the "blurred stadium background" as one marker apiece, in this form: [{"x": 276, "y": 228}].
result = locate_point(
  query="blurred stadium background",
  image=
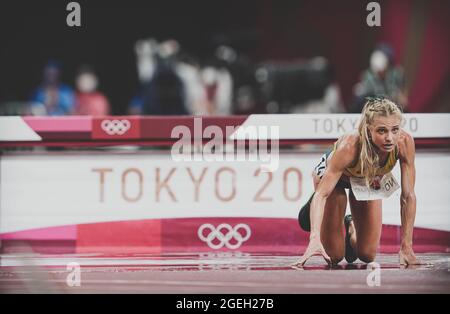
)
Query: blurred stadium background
[
  {"x": 70, "y": 187},
  {"x": 301, "y": 49}
]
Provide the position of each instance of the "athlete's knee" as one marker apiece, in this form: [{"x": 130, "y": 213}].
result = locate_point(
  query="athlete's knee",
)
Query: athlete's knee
[
  {"x": 367, "y": 255},
  {"x": 336, "y": 258},
  {"x": 335, "y": 252}
]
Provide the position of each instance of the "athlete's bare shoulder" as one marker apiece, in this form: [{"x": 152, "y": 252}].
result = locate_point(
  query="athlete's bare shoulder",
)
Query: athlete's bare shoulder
[
  {"x": 406, "y": 146},
  {"x": 405, "y": 137},
  {"x": 348, "y": 143},
  {"x": 347, "y": 149}
]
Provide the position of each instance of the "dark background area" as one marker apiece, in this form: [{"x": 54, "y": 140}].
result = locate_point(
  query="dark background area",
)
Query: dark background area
[{"x": 32, "y": 32}]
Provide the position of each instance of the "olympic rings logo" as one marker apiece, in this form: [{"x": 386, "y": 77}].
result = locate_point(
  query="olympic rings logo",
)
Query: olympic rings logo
[
  {"x": 224, "y": 239},
  {"x": 115, "y": 127}
]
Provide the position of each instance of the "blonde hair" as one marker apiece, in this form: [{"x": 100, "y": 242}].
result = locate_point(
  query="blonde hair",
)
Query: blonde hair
[{"x": 368, "y": 158}]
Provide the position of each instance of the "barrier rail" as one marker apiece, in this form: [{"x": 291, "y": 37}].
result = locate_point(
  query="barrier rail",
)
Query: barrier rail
[{"x": 427, "y": 129}]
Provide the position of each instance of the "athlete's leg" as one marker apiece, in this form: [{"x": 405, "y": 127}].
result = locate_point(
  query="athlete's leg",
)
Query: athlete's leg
[
  {"x": 331, "y": 232},
  {"x": 366, "y": 230}
]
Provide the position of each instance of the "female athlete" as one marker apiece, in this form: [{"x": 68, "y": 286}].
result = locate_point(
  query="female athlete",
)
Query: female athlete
[{"x": 362, "y": 163}]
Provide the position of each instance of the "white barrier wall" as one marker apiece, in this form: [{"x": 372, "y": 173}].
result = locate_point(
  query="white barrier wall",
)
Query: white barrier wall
[{"x": 53, "y": 189}]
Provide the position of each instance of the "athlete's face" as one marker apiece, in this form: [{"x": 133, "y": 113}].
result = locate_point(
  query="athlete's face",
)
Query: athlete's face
[{"x": 385, "y": 132}]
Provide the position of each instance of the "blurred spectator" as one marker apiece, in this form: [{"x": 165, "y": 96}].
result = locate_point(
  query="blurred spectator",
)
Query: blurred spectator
[
  {"x": 89, "y": 101},
  {"x": 218, "y": 85},
  {"x": 52, "y": 97},
  {"x": 162, "y": 90},
  {"x": 195, "y": 93},
  {"x": 145, "y": 50},
  {"x": 382, "y": 78},
  {"x": 238, "y": 82}
]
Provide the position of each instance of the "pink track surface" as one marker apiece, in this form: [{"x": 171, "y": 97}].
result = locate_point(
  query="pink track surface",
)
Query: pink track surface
[{"x": 214, "y": 273}]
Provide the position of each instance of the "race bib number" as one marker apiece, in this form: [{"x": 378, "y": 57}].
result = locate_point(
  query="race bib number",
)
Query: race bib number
[{"x": 382, "y": 187}]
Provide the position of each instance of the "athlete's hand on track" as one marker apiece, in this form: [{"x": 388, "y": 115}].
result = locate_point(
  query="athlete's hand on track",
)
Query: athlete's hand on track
[
  {"x": 315, "y": 247},
  {"x": 407, "y": 257}
]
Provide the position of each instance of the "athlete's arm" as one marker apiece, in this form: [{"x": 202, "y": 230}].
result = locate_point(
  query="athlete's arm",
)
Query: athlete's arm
[
  {"x": 341, "y": 158},
  {"x": 407, "y": 154}
]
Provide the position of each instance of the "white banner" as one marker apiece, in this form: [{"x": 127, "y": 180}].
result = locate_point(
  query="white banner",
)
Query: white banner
[
  {"x": 65, "y": 189},
  {"x": 332, "y": 126}
]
